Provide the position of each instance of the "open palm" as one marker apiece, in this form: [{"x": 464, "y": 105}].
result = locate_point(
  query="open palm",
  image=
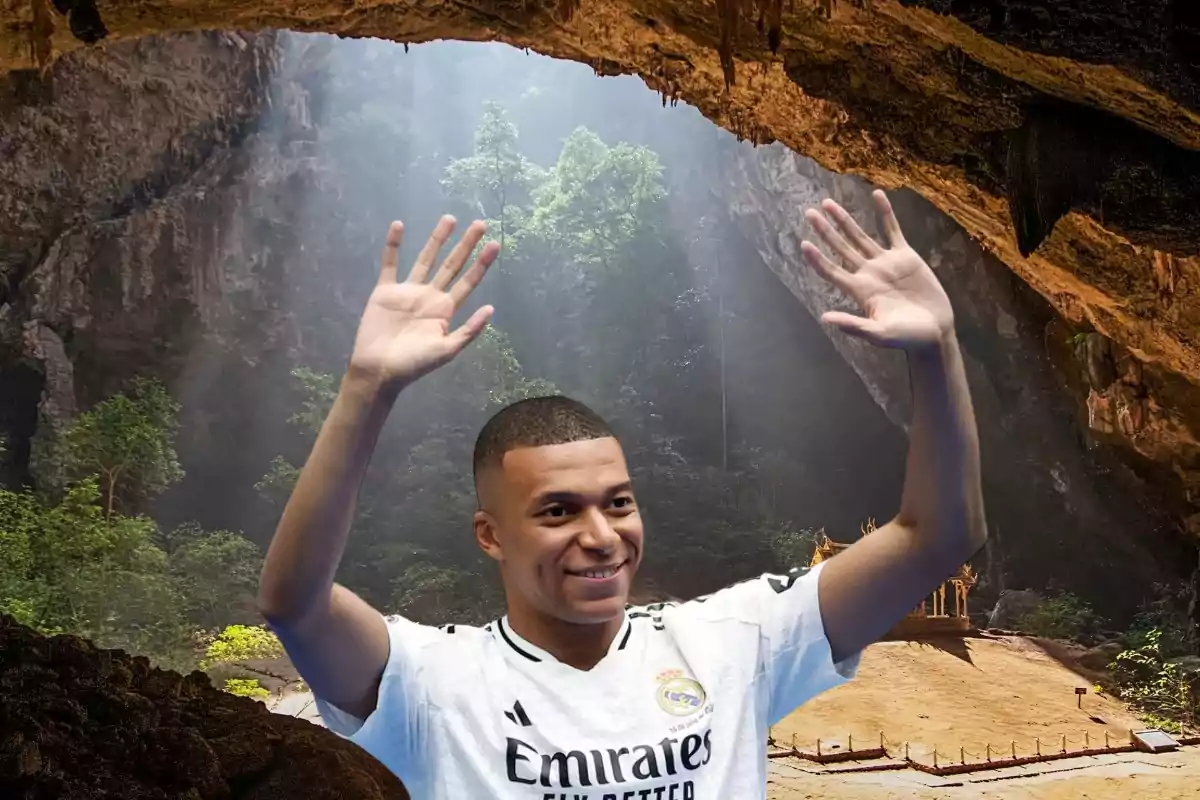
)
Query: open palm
[
  {"x": 903, "y": 302},
  {"x": 405, "y": 329}
]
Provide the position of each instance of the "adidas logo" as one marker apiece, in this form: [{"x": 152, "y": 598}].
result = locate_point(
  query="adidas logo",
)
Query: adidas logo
[{"x": 518, "y": 716}]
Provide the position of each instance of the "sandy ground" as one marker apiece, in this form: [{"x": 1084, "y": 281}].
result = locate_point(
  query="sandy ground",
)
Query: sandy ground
[
  {"x": 964, "y": 693},
  {"x": 1168, "y": 776},
  {"x": 969, "y": 694}
]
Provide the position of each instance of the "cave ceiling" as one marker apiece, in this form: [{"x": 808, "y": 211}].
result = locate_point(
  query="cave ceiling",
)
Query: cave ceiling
[{"x": 1064, "y": 135}]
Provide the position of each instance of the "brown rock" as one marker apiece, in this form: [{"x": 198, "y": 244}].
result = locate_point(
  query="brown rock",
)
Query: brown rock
[
  {"x": 102, "y": 740},
  {"x": 1100, "y": 656}
]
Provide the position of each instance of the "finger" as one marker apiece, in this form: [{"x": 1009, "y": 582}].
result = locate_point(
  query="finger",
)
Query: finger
[
  {"x": 391, "y": 253},
  {"x": 850, "y": 257},
  {"x": 459, "y": 255},
  {"x": 475, "y": 274},
  {"x": 441, "y": 233},
  {"x": 891, "y": 225},
  {"x": 851, "y": 230},
  {"x": 862, "y": 327},
  {"x": 826, "y": 268},
  {"x": 469, "y": 331}
]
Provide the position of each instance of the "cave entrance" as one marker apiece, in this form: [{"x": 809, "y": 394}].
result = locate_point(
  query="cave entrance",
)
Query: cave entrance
[{"x": 229, "y": 253}]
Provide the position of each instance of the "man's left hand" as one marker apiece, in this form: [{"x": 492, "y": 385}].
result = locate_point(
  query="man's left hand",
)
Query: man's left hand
[{"x": 904, "y": 304}]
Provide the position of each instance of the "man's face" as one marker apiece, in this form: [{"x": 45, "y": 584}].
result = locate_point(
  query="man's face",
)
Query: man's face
[{"x": 563, "y": 523}]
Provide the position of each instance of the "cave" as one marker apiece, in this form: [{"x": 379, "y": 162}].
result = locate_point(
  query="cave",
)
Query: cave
[{"x": 1045, "y": 157}]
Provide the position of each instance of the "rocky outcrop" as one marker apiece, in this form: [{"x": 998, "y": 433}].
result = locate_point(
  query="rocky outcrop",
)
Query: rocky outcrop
[
  {"x": 76, "y": 721},
  {"x": 150, "y": 202},
  {"x": 1062, "y": 135},
  {"x": 1085, "y": 498}
]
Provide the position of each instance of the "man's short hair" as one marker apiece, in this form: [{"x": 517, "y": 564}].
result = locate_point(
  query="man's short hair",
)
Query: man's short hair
[{"x": 536, "y": 422}]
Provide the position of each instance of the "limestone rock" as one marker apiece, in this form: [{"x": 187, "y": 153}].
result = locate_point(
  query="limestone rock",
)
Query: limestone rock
[
  {"x": 1099, "y": 657},
  {"x": 1011, "y": 606},
  {"x": 77, "y": 721}
]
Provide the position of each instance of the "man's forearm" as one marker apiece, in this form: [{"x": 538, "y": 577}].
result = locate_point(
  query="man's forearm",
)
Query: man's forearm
[
  {"x": 942, "y": 503},
  {"x": 869, "y": 588},
  {"x": 308, "y": 543}
]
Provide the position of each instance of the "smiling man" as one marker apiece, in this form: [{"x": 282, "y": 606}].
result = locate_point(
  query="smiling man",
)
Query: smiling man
[{"x": 574, "y": 694}]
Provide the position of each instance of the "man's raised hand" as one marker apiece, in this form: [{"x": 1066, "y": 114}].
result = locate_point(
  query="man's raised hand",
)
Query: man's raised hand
[
  {"x": 904, "y": 304},
  {"x": 405, "y": 330}
]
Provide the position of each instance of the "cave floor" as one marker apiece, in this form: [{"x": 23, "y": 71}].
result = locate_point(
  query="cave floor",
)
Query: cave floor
[
  {"x": 1164, "y": 776},
  {"x": 970, "y": 693}
]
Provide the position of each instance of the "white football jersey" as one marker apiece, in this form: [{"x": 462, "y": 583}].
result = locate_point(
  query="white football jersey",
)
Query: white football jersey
[{"x": 678, "y": 709}]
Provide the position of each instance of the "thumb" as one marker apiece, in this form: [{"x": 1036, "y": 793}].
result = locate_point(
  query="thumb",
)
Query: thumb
[
  {"x": 469, "y": 331},
  {"x": 853, "y": 325}
]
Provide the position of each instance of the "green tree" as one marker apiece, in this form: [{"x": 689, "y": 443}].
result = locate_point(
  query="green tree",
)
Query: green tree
[
  {"x": 597, "y": 200},
  {"x": 128, "y": 442},
  {"x": 495, "y": 180},
  {"x": 216, "y": 573}
]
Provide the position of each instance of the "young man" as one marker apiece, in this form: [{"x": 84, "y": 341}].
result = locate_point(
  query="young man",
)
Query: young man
[{"x": 571, "y": 694}]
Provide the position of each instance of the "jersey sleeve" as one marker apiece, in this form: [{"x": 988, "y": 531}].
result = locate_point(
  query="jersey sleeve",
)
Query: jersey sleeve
[
  {"x": 794, "y": 655},
  {"x": 396, "y": 731}
]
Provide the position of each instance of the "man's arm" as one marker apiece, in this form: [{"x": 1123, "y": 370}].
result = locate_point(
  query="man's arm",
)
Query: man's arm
[
  {"x": 339, "y": 644},
  {"x": 870, "y": 586},
  {"x": 336, "y": 640}
]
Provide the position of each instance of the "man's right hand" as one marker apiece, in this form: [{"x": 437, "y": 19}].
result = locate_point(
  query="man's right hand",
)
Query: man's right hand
[{"x": 405, "y": 329}]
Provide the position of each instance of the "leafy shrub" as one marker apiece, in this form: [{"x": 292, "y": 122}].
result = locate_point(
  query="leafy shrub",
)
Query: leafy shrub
[
  {"x": 1164, "y": 693},
  {"x": 246, "y": 687},
  {"x": 1064, "y": 616},
  {"x": 242, "y": 643}
]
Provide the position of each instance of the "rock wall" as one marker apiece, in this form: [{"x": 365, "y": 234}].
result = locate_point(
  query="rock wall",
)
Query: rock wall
[
  {"x": 76, "y": 721},
  {"x": 1063, "y": 135},
  {"x": 1069, "y": 506}
]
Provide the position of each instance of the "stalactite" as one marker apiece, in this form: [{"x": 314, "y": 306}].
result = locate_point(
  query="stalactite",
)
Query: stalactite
[
  {"x": 727, "y": 17},
  {"x": 775, "y": 25},
  {"x": 567, "y": 9}
]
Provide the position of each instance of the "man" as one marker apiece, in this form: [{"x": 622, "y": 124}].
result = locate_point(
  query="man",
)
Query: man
[{"x": 571, "y": 694}]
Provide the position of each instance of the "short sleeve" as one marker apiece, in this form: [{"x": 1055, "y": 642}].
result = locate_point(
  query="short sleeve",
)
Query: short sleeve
[
  {"x": 395, "y": 733},
  {"x": 796, "y": 660}
]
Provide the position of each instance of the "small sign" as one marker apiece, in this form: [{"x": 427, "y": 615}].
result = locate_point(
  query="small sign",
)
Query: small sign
[
  {"x": 1080, "y": 691},
  {"x": 1153, "y": 741}
]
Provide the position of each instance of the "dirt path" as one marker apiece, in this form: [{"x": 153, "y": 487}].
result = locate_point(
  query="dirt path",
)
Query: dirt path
[
  {"x": 970, "y": 694},
  {"x": 966, "y": 693},
  {"x": 1170, "y": 776}
]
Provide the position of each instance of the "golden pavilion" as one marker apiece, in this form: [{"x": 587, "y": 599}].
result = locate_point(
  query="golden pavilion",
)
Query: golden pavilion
[{"x": 943, "y": 612}]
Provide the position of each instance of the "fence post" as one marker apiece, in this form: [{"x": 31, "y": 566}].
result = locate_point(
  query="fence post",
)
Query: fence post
[
  {"x": 794, "y": 750},
  {"x": 1106, "y": 738},
  {"x": 935, "y": 758},
  {"x": 989, "y": 754},
  {"x": 1014, "y": 750},
  {"x": 881, "y": 744},
  {"x": 962, "y": 756},
  {"x": 818, "y": 748},
  {"x": 1037, "y": 743},
  {"x": 1064, "y": 749},
  {"x": 850, "y": 742},
  {"x": 906, "y": 758},
  {"x": 1087, "y": 743}
]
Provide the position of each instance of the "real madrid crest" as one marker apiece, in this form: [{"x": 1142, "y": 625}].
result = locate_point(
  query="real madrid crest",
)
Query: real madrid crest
[{"x": 677, "y": 694}]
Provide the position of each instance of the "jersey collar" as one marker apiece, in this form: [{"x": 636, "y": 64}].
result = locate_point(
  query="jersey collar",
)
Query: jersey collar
[{"x": 527, "y": 650}]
